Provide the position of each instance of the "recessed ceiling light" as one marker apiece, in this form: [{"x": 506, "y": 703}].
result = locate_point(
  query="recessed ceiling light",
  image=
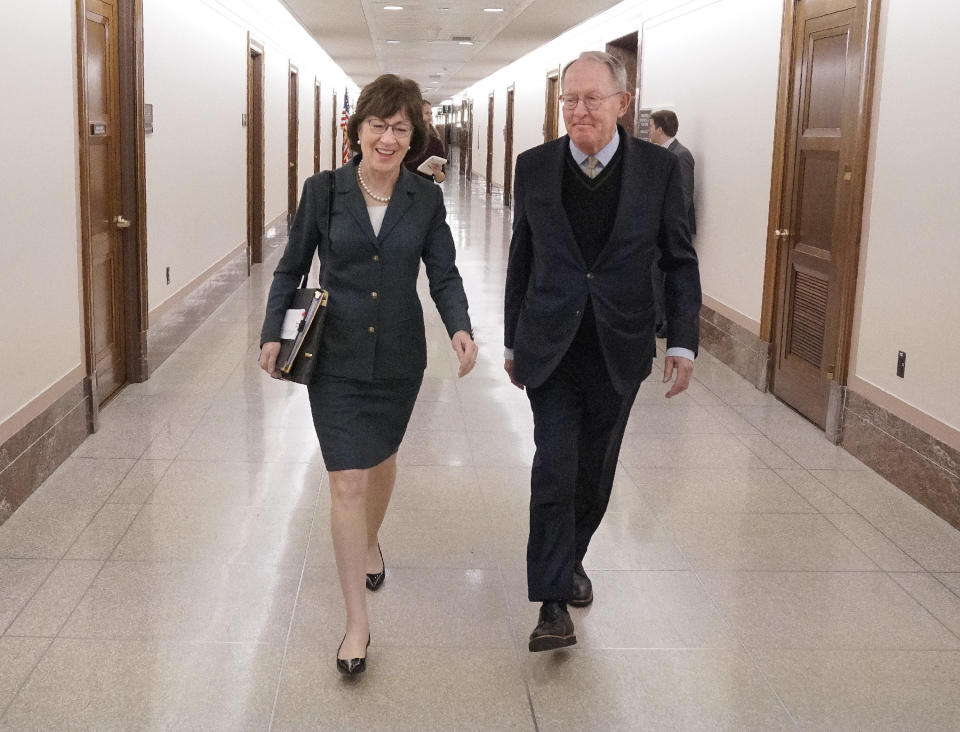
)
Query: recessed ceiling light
[
  {"x": 393, "y": 7},
  {"x": 466, "y": 43},
  {"x": 393, "y": 41},
  {"x": 493, "y": 10}
]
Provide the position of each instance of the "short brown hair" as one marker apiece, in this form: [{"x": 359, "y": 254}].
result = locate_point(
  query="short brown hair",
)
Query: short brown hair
[
  {"x": 384, "y": 97},
  {"x": 666, "y": 121}
]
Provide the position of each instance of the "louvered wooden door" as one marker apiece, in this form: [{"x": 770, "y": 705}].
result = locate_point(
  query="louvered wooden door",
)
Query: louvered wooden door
[{"x": 816, "y": 239}]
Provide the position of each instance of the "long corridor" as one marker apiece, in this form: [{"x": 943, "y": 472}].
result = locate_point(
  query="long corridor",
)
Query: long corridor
[{"x": 177, "y": 571}]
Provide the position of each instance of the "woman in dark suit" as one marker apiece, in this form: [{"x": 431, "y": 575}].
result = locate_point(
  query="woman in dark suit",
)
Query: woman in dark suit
[
  {"x": 434, "y": 147},
  {"x": 383, "y": 223}
]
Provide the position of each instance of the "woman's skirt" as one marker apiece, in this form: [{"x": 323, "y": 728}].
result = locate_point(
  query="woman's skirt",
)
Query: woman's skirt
[{"x": 360, "y": 423}]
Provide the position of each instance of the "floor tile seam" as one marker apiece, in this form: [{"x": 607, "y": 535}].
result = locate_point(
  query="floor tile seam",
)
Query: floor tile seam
[
  {"x": 922, "y": 604},
  {"x": 26, "y": 678},
  {"x": 167, "y": 640},
  {"x": 293, "y": 608},
  {"x": 729, "y": 624},
  {"x": 54, "y": 564},
  {"x": 885, "y": 537},
  {"x": 869, "y": 522}
]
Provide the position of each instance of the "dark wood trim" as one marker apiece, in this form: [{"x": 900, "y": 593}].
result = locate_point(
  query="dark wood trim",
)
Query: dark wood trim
[
  {"x": 89, "y": 361},
  {"x": 316, "y": 124},
  {"x": 255, "y": 150},
  {"x": 850, "y": 266},
  {"x": 333, "y": 134},
  {"x": 293, "y": 137},
  {"x": 785, "y": 77},
  {"x": 133, "y": 187}
]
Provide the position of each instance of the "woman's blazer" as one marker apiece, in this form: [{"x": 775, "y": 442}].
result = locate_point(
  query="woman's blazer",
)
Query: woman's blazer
[{"x": 374, "y": 326}]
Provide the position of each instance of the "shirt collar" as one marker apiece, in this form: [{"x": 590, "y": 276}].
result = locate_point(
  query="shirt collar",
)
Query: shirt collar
[
  {"x": 668, "y": 142},
  {"x": 604, "y": 156}
]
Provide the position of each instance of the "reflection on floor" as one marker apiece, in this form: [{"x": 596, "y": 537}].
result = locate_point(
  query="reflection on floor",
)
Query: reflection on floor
[{"x": 177, "y": 572}]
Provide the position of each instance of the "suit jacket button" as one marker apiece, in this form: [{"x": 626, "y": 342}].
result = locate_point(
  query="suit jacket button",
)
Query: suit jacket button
[
  {"x": 370, "y": 329},
  {"x": 376, "y": 257},
  {"x": 577, "y": 313},
  {"x": 589, "y": 275},
  {"x": 373, "y": 295}
]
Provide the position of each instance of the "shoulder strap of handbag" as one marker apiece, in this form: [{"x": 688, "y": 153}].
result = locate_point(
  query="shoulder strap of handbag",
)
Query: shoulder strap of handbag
[{"x": 325, "y": 240}]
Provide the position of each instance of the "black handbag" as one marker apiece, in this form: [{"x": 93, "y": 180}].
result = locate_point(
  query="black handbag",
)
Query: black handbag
[{"x": 308, "y": 311}]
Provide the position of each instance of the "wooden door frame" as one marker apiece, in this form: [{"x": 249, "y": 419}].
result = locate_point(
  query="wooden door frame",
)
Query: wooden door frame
[
  {"x": 293, "y": 137},
  {"x": 848, "y": 262},
  {"x": 509, "y": 114},
  {"x": 491, "y": 113},
  {"x": 316, "y": 124},
  {"x": 254, "y": 46},
  {"x": 551, "y": 75},
  {"x": 333, "y": 135},
  {"x": 132, "y": 196}
]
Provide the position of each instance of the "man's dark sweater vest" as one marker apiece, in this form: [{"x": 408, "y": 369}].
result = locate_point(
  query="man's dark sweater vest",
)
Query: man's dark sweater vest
[{"x": 591, "y": 207}]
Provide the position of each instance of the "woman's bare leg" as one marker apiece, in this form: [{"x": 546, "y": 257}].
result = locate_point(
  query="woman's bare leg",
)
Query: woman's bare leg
[
  {"x": 348, "y": 524},
  {"x": 379, "y": 489}
]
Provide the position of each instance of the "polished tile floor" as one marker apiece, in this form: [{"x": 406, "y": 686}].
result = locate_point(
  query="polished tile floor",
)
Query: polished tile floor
[{"x": 177, "y": 573}]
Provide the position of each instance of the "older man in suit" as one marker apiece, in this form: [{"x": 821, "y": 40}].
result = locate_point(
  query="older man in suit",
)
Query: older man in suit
[
  {"x": 663, "y": 132},
  {"x": 593, "y": 210}
]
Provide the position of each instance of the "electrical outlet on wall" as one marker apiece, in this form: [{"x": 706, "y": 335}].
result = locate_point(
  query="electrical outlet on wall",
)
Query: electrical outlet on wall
[
  {"x": 901, "y": 363},
  {"x": 168, "y": 275}
]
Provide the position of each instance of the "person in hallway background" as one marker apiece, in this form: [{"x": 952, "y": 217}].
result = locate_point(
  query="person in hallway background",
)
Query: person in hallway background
[
  {"x": 593, "y": 210},
  {"x": 663, "y": 131},
  {"x": 434, "y": 147},
  {"x": 383, "y": 222}
]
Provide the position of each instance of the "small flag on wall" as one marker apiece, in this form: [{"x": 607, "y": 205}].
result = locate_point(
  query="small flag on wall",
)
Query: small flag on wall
[{"x": 344, "y": 116}]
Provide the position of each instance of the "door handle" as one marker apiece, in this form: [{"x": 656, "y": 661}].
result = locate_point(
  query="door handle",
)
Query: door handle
[
  {"x": 121, "y": 222},
  {"x": 782, "y": 232},
  {"x": 292, "y": 164}
]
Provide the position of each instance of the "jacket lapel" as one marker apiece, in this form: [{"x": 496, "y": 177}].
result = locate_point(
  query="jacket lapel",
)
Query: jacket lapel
[
  {"x": 549, "y": 198},
  {"x": 633, "y": 188},
  {"x": 350, "y": 197},
  {"x": 400, "y": 202}
]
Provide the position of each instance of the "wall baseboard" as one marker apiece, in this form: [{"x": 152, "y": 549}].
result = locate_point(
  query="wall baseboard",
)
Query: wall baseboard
[
  {"x": 745, "y": 352},
  {"x": 30, "y": 456},
  {"x": 917, "y": 463},
  {"x": 170, "y": 326}
]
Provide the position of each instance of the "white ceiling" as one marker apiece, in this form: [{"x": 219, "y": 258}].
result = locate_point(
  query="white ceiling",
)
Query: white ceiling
[{"x": 356, "y": 34}]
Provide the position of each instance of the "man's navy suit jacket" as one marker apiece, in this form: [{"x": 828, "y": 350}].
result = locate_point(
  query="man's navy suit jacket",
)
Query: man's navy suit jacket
[{"x": 548, "y": 281}]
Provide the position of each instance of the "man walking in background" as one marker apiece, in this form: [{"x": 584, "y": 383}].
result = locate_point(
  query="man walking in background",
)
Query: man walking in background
[{"x": 663, "y": 131}]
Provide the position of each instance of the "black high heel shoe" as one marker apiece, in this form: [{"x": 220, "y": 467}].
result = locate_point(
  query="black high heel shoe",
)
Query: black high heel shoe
[
  {"x": 375, "y": 581},
  {"x": 351, "y": 666}
]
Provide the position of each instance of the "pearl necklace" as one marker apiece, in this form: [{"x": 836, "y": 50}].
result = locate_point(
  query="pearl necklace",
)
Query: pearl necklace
[{"x": 365, "y": 187}]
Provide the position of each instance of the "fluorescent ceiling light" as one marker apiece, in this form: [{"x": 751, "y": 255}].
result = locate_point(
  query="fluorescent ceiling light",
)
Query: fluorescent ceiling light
[
  {"x": 466, "y": 43},
  {"x": 493, "y": 10},
  {"x": 393, "y": 7},
  {"x": 393, "y": 41}
]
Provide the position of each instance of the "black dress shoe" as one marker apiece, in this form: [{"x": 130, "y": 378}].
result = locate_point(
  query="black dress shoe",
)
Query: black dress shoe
[
  {"x": 582, "y": 587},
  {"x": 374, "y": 581},
  {"x": 554, "y": 628},
  {"x": 351, "y": 666}
]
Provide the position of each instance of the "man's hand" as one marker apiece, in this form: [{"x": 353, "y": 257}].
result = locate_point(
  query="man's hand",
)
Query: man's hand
[
  {"x": 268, "y": 358},
  {"x": 508, "y": 367},
  {"x": 466, "y": 350},
  {"x": 684, "y": 370}
]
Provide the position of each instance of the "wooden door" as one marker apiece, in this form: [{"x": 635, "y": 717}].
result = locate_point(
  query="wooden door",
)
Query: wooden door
[
  {"x": 333, "y": 134},
  {"x": 255, "y": 173},
  {"x": 551, "y": 107},
  {"x": 469, "y": 150},
  {"x": 293, "y": 147},
  {"x": 490, "y": 144},
  {"x": 625, "y": 49},
  {"x": 821, "y": 202},
  {"x": 103, "y": 220},
  {"x": 508, "y": 151},
  {"x": 316, "y": 125}
]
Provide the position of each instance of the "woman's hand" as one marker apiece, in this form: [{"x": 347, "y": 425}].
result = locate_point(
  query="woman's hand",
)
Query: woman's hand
[
  {"x": 437, "y": 170},
  {"x": 268, "y": 358},
  {"x": 465, "y": 349}
]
